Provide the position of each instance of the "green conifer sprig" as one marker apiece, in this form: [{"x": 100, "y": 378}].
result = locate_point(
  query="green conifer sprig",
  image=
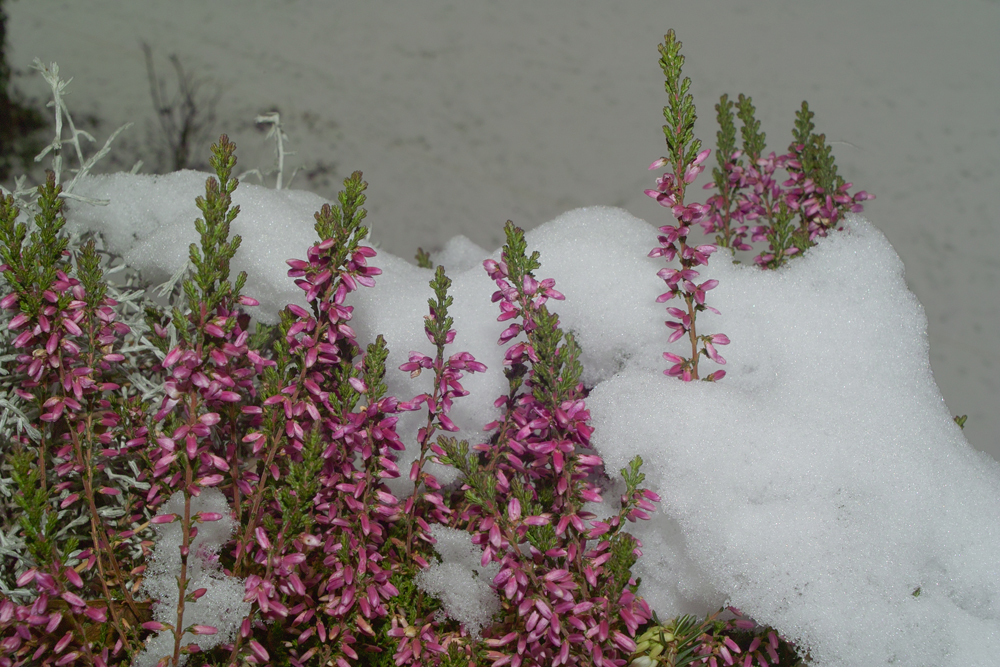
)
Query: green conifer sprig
[
  {"x": 725, "y": 139},
  {"x": 343, "y": 223},
  {"x": 38, "y": 520},
  {"x": 301, "y": 483},
  {"x": 726, "y": 147},
  {"x": 423, "y": 259},
  {"x": 782, "y": 235},
  {"x": 373, "y": 369},
  {"x": 816, "y": 155},
  {"x": 803, "y": 128}
]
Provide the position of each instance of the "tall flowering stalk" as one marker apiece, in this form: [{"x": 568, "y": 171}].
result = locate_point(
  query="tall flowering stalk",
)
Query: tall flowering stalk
[
  {"x": 210, "y": 375},
  {"x": 316, "y": 563},
  {"x": 685, "y": 161},
  {"x": 562, "y": 602},
  {"x": 420, "y": 635},
  {"x": 447, "y": 387}
]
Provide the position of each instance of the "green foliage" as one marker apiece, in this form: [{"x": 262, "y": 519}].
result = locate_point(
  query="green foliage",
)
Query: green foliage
[
  {"x": 783, "y": 235},
  {"x": 373, "y": 369},
  {"x": 301, "y": 483},
  {"x": 439, "y": 322},
  {"x": 815, "y": 154},
  {"x": 423, "y": 259},
  {"x": 36, "y": 263},
  {"x": 343, "y": 223},
  {"x": 754, "y": 141},
  {"x": 726, "y": 147},
  {"x": 37, "y": 520},
  {"x": 633, "y": 478},
  {"x": 725, "y": 140},
  {"x": 803, "y": 126},
  {"x": 679, "y": 112},
  {"x": 211, "y": 262},
  {"x": 671, "y": 644},
  {"x": 91, "y": 275},
  {"x": 515, "y": 253},
  {"x": 819, "y": 164}
]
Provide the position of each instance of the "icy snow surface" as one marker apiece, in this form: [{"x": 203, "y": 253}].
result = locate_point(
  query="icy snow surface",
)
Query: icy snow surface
[
  {"x": 222, "y": 605},
  {"x": 817, "y": 487},
  {"x": 460, "y": 580}
]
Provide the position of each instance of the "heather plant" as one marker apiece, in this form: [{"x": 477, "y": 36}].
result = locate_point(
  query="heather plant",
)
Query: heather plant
[
  {"x": 747, "y": 191},
  {"x": 177, "y": 488},
  {"x": 309, "y": 553}
]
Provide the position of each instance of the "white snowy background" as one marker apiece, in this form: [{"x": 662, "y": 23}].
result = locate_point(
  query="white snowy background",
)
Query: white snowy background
[{"x": 465, "y": 114}]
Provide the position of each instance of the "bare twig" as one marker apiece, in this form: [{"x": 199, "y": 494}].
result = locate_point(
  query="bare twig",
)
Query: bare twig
[{"x": 186, "y": 118}]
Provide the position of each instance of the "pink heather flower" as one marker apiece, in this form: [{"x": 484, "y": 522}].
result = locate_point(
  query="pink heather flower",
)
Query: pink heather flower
[
  {"x": 73, "y": 599},
  {"x": 713, "y": 354},
  {"x": 696, "y": 167},
  {"x": 698, "y": 291},
  {"x": 27, "y": 577},
  {"x": 675, "y": 276},
  {"x": 17, "y": 322},
  {"x": 259, "y": 652}
]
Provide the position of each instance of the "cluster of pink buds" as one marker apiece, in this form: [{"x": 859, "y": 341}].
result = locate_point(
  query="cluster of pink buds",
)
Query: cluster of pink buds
[
  {"x": 328, "y": 427},
  {"x": 760, "y": 197},
  {"x": 820, "y": 209},
  {"x": 56, "y": 608}
]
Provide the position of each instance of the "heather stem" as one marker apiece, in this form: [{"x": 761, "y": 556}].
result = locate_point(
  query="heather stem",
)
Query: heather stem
[
  {"x": 101, "y": 541},
  {"x": 185, "y": 546}
]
